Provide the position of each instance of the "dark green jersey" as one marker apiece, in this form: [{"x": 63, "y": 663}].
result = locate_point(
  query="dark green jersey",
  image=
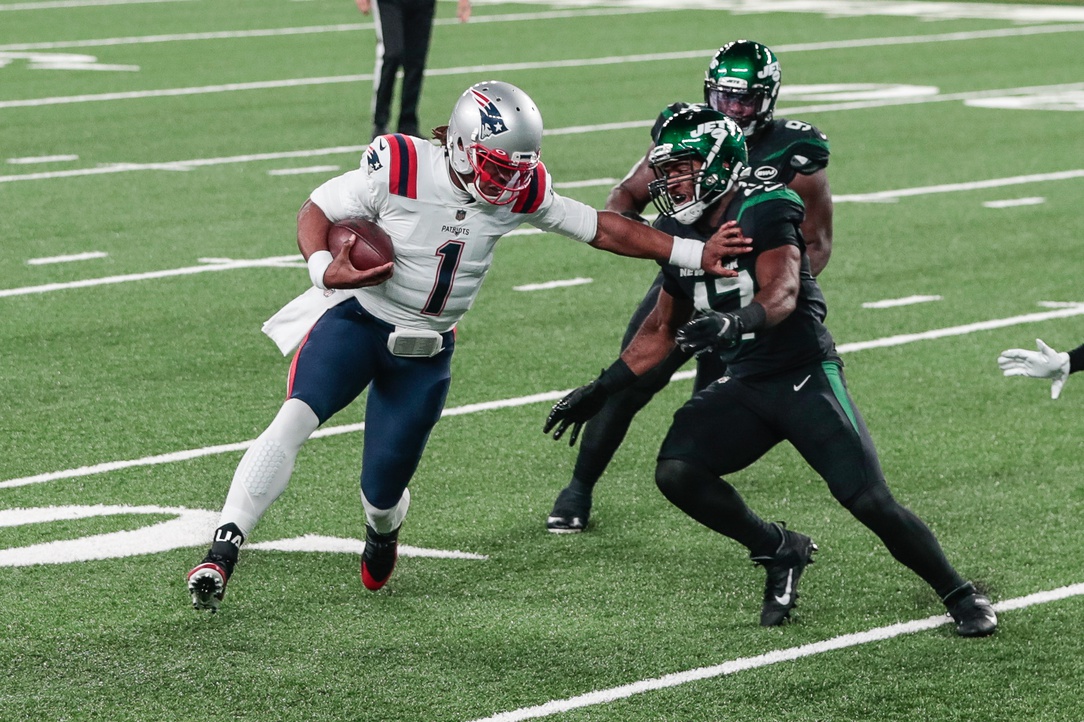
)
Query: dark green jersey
[
  {"x": 779, "y": 151},
  {"x": 771, "y": 215}
]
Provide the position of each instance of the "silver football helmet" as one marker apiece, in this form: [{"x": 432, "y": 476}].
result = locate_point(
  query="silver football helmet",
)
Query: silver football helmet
[{"x": 494, "y": 140}]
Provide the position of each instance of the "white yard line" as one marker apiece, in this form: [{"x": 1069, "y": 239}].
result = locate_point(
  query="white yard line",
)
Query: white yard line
[
  {"x": 288, "y": 261},
  {"x": 1066, "y": 312},
  {"x": 889, "y": 196},
  {"x": 552, "y": 284},
  {"x": 229, "y": 265},
  {"x": 925, "y": 10},
  {"x": 894, "y": 302},
  {"x": 69, "y": 4},
  {"x": 742, "y": 664},
  {"x": 540, "y": 65},
  {"x": 69, "y": 258},
  {"x": 312, "y": 29}
]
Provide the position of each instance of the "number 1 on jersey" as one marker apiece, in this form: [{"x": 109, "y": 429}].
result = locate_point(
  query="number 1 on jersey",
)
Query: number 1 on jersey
[{"x": 449, "y": 253}]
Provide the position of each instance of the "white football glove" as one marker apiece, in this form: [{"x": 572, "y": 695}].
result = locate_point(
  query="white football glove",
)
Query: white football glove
[{"x": 1046, "y": 363}]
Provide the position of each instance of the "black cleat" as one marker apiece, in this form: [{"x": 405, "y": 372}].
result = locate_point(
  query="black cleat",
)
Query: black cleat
[
  {"x": 207, "y": 582},
  {"x": 972, "y": 612},
  {"x": 570, "y": 512},
  {"x": 784, "y": 569},
  {"x": 378, "y": 558}
]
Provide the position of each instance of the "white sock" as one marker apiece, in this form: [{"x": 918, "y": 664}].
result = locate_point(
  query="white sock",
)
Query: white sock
[
  {"x": 266, "y": 467},
  {"x": 385, "y": 521}
]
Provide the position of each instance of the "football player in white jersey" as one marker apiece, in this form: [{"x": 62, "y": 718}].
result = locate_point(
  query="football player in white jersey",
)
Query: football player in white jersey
[{"x": 390, "y": 328}]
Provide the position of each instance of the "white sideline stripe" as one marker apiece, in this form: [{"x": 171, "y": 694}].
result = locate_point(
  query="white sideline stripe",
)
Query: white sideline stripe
[
  {"x": 63, "y": 4},
  {"x": 542, "y": 65},
  {"x": 243, "y": 445},
  {"x": 317, "y": 542},
  {"x": 882, "y": 196},
  {"x": 272, "y": 262},
  {"x": 742, "y": 664},
  {"x": 553, "y": 284},
  {"x": 905, "y": 301},
  {"x": 1069, "y": 310},
  {"x": 67, "y": 259},
  {"x": 879, "y": 196},
  {"x": 1073, "y": 310},
  {"x": 42, "y": 159},
  {"x": 313, "y": 29},
  {"x": 302, "y": 171},
  {"x": 1014, "y": 202}
]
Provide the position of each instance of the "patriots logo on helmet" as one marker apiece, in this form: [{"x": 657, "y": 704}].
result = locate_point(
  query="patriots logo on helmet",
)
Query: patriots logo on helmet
[
  {"x": 373, "y": 160},
  {"x": 492, "y": 121}
]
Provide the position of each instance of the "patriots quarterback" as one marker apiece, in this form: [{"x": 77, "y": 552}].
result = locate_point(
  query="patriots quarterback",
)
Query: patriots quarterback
[
  {"x": 783, "y": 380},
  {"x": 742, "y": 82},
  {"x": 391, "y": 328}
]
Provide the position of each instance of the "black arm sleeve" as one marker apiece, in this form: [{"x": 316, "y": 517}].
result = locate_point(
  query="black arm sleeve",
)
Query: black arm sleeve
[{"x": 1076, "y": 359}]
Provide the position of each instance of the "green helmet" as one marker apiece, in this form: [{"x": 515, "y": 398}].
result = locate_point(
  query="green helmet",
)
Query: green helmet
[
  {"x": 743, "y": 81},
  {"x": 695, "y": 133}
]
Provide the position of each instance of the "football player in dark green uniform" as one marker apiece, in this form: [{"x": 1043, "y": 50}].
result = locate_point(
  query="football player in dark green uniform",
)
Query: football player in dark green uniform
[
  {"x": 783, "y": 381},
  {"x": 742, "y": 82}
]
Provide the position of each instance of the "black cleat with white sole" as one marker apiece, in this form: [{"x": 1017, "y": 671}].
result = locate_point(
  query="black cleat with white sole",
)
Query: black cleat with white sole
[
  {"x": 784, "y": 569},
  {"x": 973, "y": 613},
  {"x": 571, "y": 512}
]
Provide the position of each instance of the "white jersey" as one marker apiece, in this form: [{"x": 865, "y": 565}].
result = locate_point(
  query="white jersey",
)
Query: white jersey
[{"x": 443, "y": 238}]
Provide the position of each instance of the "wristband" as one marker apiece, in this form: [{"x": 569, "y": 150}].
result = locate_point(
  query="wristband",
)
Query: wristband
[
  {"x": 617, "y": 377},
  {"x": 318, "y": 263},
  {"x": 687, "y": 253},
  {"x": 752, "y": 317}
]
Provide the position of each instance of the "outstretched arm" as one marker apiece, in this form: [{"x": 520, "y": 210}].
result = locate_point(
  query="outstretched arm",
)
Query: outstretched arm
[{"x": 626, "y": 237}]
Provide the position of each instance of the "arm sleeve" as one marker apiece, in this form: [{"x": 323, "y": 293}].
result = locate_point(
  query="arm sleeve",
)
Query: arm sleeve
[
  {"x": 345, "y": 196},
  {"x": 1076, "y": 359},
  {"x": 357, "y": 193},
  {"x": 568, "y": 217}
]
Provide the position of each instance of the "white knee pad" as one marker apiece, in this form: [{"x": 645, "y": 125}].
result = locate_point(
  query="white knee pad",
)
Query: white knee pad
[
  {"x": 265, "y": 469},
  {"x": 385, "y": 521}
]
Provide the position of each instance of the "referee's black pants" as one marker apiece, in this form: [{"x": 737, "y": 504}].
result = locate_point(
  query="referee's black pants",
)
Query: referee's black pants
[{"x": 403, "y": 28}]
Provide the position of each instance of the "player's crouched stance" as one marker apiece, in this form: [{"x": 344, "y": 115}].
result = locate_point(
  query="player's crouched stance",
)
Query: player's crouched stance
[
  {"x": 445, "y": 207},
  {"x": 780, "y": 378}
]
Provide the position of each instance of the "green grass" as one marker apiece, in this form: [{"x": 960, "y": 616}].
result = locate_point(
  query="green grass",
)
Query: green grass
[{"x": 126, "y": 371}]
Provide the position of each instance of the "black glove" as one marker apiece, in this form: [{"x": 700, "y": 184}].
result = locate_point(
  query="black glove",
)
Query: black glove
[
  {"x": 713, "y": 330},
  {"x": 583, "y": 403},
  {"x": 575, "y": 409}
]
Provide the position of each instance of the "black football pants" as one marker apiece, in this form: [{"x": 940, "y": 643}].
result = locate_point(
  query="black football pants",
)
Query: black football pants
[{"x": 403, "y": 28}]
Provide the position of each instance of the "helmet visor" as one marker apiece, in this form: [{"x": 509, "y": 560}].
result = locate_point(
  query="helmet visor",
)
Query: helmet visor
[
  {"x": 498, "y": 177},
  {"x": 743, "y": 107}
]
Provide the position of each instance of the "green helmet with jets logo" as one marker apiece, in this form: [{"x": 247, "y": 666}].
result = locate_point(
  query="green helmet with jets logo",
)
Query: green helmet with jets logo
[
  {"x": 743, "y": 82},
  {"x": 698, "y": 157}
]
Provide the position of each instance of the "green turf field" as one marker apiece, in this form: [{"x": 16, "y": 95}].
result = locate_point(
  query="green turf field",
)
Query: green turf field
[{"x": 171, "y": 153}]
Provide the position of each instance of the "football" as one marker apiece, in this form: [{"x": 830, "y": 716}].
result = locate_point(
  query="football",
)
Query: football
[{"x": 373, "y": 247}]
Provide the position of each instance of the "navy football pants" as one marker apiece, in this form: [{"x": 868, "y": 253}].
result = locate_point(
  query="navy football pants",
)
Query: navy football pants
[{"x": 347, "y": 351}]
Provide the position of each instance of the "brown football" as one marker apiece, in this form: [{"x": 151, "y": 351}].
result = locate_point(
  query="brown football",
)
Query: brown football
[{"x": 373, "y": 246}]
